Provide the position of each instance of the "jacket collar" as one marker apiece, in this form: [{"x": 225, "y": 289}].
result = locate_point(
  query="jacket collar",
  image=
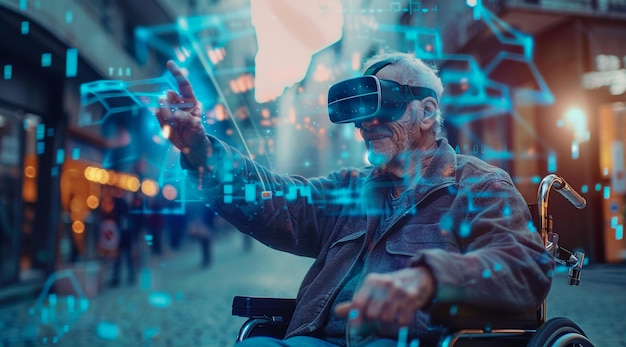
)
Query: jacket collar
[{"x": 440, "y": 172}]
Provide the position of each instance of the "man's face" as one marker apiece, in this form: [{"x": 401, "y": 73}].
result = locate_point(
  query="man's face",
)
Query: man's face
[{"x": 386, "y": 142}]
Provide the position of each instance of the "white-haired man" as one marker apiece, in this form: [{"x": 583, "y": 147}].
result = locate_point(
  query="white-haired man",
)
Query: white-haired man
[{"x": 420, "y": 221}]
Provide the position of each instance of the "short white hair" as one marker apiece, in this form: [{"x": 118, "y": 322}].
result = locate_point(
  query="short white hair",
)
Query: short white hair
[{"x": 418, "y": 74}]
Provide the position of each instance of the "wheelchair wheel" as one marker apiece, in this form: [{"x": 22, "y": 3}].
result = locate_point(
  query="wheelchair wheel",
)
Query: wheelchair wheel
[{"x": 559, "y": 332}]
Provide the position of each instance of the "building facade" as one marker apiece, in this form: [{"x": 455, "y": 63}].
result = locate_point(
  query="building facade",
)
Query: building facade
[
  {"x": 564, "y": 65},
  {"x": 48, "y": 51}
]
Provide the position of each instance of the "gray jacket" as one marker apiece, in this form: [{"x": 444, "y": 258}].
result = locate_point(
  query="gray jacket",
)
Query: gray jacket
[{"x": 464, "y": 220}]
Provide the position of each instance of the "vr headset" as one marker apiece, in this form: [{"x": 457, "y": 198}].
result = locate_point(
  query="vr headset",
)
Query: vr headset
[{"x": 368, "y": 97}]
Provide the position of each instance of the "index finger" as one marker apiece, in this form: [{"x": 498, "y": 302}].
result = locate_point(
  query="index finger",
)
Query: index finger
[
  {"x": 184, "y": 86},
  {"x": 345, "y": 309}
]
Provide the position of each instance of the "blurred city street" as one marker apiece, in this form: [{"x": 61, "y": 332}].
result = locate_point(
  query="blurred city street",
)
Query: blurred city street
[
  {"x": 104, "y": 166},
  {"x": 182, "y": 304}
]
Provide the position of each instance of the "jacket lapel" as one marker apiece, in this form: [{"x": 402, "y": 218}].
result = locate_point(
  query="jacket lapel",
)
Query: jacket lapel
[{"x": 439, "y": 174}]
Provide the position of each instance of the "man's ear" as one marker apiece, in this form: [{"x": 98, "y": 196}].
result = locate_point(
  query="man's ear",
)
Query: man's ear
[{"x": 430, "y": 111}]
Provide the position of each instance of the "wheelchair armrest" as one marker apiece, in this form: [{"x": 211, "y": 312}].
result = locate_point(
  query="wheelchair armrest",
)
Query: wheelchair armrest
[
  {"x": 266, "y": 316},
  {"x": 463, "y": 317},
  {"x": 263, "y": 307}
]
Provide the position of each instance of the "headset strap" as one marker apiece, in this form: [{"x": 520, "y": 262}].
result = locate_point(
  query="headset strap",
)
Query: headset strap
[
  {"x": 409, "y": 92},
  {"x": 372, "y": 70}
]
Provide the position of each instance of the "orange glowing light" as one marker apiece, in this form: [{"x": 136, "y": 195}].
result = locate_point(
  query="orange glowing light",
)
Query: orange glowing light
[
  {"x": 75, "y": 204},
  {"x": 29, "y": 191},
  {"x": 166, "y": 131},
  {"x": 212, "y": 56},
  {"x": 181, "y": 56},
  {"x": 215, "y": 54},
  {"x": 89, "y": 173},
  {"x": 93, "y": 202},
  {"x": 242, "y": 113},
  {"x": 220, "y": 112},
  {"x": 169, "y": 192},
  {"x": 321, "y": 73},
  {"x": 234, "y": 86},
  {"x": 101, "y": 176},
  {"x": 322, "y": 99},
  {"x": 157, "y": 139},
  {"x": 113, "y": 177},
  {"x": 221, "y": 53},
  {"x": 249, "y": 82},
  {"x": 241, "y": 83},
  {"x": 132, "y": 184},
  {"x": 122, "y": 181},
  {"x": 464, "y": 83},
  {"x": 78, "y": 227},
  {"x": 30, "y": 171},
  {"x": 292, "y": 115},
  {"x": 356, "y": 61},
  {"x": 149, "y": 187}
]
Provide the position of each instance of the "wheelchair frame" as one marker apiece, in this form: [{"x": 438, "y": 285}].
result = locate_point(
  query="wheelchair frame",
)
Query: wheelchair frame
[{"x": 468, "y": 326}]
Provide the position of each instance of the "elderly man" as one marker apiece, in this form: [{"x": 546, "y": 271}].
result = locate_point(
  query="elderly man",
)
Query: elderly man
[{"x": 388, "y": 240}]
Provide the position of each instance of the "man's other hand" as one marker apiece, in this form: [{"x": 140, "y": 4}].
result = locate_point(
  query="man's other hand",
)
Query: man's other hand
[{"x": 390, "y": 297}]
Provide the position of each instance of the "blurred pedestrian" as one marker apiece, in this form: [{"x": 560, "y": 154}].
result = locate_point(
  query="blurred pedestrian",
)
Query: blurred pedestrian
[
  {"x": 69, "y": 232},
  {"x": 154, "y": 226},
  {"x": 116, "y": 233},
  {"x": 201, "y": 227},
  {"x": 175, "y": 224}
]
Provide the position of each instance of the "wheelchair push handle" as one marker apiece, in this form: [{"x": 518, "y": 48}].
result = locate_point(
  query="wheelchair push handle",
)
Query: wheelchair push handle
[
  {"x": 561, "y": 186},
  {"x": 575, "y": 260},
  {"x": 570, "y": 194}
]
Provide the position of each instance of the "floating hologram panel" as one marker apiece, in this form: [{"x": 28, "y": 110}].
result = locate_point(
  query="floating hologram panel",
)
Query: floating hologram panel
[{"x": 473, "y": 93}]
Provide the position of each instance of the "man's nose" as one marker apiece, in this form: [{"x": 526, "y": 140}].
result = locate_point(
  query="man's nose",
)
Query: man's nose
[{"x": 368, "y": 123}]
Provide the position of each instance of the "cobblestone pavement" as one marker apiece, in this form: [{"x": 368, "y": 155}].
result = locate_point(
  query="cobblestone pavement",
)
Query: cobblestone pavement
[
  {"x": 180, "y": 304},
  {"x": 598, "y": 305}
]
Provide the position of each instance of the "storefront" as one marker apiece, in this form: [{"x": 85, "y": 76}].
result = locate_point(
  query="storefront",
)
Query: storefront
[
  {"x": 605, "y": 82},
  {"x": 11, "y": 210},
  {"x": 37, "y": 100},
  {"x": 29, "y": 139},
  {"x": 575, "y": 127},
  {"x": 584, "y": 63}
]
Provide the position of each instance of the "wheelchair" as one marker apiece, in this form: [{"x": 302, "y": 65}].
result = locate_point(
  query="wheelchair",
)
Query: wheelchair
[{"x": 462, "y": 325}]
